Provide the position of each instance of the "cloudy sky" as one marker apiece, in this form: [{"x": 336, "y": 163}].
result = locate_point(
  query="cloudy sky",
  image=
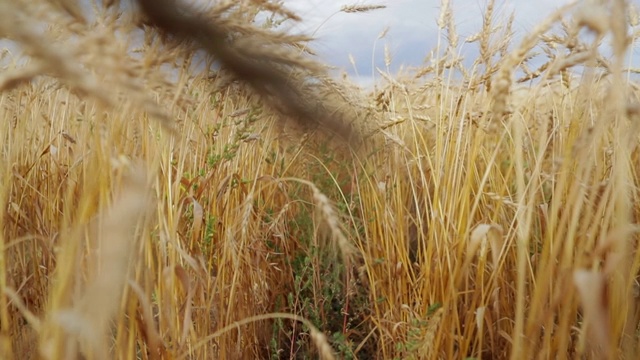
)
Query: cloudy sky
[{"x": 412, "y": 28}]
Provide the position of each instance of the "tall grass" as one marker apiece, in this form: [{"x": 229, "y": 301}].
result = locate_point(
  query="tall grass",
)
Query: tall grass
[{"x": 487, "y": 211}]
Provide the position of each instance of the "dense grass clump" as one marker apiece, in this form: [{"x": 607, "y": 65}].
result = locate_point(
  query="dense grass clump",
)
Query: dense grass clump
[{"x": 153, "y": 207}]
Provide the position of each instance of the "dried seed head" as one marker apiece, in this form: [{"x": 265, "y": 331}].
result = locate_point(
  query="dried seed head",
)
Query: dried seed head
[{"x": 360, "y": 8}]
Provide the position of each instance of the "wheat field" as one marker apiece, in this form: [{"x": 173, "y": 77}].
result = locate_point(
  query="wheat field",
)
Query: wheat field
[{"x": 164, "y": 197}]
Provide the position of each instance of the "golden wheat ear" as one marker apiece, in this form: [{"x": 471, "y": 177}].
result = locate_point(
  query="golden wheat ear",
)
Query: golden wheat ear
[{"x": 269, "y": 69}]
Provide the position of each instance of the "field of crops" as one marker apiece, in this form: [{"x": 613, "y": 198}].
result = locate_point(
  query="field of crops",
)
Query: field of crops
[{"x": 206, "y": 189}]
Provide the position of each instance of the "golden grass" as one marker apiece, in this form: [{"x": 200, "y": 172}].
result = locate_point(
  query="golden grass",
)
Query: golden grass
[{"x": 489, "y": 212}]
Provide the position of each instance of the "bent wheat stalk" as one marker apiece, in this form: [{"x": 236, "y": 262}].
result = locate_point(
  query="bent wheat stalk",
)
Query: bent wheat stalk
[{"x": 268, "y": 75}]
